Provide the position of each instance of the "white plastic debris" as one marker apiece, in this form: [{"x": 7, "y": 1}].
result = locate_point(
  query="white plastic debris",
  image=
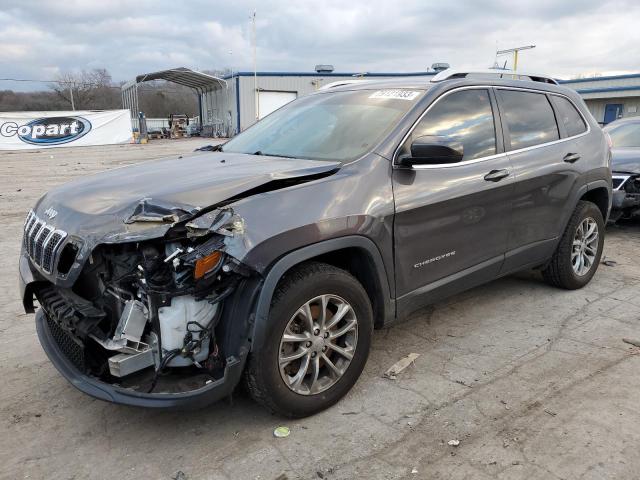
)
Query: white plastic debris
[
  {"x": 401, "y": 365},
  {"x": 453, "y": 443}
]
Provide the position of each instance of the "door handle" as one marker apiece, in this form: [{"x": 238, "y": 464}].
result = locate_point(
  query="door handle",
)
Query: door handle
[
  {"x": 496, "y": 175},
  {"x": 571, "y": 157}
]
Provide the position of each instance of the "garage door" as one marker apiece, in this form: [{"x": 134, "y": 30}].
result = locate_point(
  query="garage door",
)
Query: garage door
[{"x": 270, "y": 101}]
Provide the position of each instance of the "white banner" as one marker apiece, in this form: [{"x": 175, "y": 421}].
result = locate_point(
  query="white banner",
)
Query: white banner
[{"x": 26, "y": 130}]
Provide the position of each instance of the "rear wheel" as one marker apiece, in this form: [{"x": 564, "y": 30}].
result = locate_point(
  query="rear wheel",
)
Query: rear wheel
[
  {"x": 577, "y": 256},
  {"x": 320, "y": 333}
]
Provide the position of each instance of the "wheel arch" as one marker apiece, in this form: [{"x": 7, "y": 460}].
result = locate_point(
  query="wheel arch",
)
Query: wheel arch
[
  {"x": 356, "y": 254},
  {"x": 598, "y": 193}
]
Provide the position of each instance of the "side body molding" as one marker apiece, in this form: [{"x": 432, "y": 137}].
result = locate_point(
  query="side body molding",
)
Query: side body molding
[{"x": 276, "y": 272}]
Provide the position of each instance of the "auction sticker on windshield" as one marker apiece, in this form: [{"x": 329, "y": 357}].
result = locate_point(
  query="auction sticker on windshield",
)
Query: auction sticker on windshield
[{"x": 395, "y": 94}]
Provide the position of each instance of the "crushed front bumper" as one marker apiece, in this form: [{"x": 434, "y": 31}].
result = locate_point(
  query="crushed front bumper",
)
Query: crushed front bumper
[
  {"x": 623, "y": 200},
  {"x": 63, "y": 357}
]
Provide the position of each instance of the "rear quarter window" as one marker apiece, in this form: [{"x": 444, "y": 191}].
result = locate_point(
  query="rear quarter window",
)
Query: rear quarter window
[
  {"x": 529, "y": 118},
  {"x": 569, "y": 116}
]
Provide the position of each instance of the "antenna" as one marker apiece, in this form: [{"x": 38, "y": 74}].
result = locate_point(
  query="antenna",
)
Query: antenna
[
  {"x": 515, "y": 54},
  {"x": 255, "y": 65}
]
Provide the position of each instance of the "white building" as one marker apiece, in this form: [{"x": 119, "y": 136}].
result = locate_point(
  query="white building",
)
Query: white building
[
  {"x": 611, "y": 97},
  {"x": 233, "y": 103}
]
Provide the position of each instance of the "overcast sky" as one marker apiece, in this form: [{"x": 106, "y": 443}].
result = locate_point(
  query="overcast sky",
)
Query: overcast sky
[{"x": 39, "y": 39}]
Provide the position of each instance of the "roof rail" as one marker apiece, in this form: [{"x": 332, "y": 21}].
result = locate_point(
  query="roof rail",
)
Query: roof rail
[
  {"x": 341, "y": 83},
  {"x": 452, "y": 73}
]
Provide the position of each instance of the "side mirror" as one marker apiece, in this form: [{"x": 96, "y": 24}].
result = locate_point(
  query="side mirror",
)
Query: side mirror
[{"x": 432, "y": 149}]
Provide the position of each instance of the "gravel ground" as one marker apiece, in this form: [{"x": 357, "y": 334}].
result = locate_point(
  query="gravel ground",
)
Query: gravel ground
[{"x": 534, "y": 382}]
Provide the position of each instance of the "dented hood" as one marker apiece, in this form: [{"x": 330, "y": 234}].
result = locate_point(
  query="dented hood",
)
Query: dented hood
[
  {"x": 119, "y": 202},
  {"x": 625, "y": 160}
]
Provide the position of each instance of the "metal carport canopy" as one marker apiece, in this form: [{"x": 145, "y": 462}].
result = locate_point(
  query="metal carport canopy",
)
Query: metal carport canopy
[{"x": 199, "y": 81}]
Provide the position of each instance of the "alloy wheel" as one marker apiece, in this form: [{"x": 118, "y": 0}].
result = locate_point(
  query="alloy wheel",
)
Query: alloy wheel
[
  {"x": 585, "y": 246},
  {"x": 318, "y": 344}
]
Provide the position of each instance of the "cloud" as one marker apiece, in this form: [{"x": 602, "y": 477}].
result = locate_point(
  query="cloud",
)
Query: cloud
[{"x": 41, "y": 38}]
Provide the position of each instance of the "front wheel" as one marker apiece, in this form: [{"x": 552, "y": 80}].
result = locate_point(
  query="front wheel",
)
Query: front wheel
[
  {"x": 577, "y": 256},
  {"x": 319, "y": 337}
]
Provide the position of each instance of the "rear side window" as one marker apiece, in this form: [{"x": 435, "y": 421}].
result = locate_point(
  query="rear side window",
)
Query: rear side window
[
  {"x": 569, "y": 116},
  {"x": 529, "y": 117},
  {"x": 465, "y": 116}
]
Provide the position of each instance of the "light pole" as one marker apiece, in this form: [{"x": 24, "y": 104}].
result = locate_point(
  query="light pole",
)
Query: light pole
[
  {"x": 73, "y": 106},
  {"x": 255, "y": 65},
  {"x": 515, "y": 53}
]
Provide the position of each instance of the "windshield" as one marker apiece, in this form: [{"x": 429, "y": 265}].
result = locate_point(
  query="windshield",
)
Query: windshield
[
  {"x": 626, "y": 135},
  {"x": 330, "y": 126}
]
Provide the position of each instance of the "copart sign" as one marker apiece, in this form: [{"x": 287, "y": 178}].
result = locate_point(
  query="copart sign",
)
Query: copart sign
[
  {"x": 22, "y": 130},
  {"x": 48, "y": 131}
]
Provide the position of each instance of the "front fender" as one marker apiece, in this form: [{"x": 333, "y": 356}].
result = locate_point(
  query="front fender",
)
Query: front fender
[{"x": 275, "y": 273}]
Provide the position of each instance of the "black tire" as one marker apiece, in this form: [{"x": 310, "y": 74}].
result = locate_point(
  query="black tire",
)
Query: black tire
[
  {"x": 262, "y": 375},
  {"x": 559, "y": 272}
]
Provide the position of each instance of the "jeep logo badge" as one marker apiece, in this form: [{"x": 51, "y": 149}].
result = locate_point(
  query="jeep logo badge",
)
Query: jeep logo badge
[
  {"x": 50, "y": 212},
  {"x": 48, "y": 131}
]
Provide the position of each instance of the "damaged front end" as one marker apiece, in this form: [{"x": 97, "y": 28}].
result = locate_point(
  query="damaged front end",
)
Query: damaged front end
[
  {"x": 626, "y": 196},
  {"x": 142, "y": 321}
]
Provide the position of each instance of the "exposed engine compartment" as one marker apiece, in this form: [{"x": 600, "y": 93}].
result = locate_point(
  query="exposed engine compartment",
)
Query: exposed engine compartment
[
  {"x": 143, "y": 315},
  {"x": 626, "y": 196}
]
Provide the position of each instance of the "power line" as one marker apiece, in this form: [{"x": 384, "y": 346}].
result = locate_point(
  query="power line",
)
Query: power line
[
  {"x": 25, "y": 80},
  {"x": 60, "y": 82},
  {"x": 88, "y": 84}
]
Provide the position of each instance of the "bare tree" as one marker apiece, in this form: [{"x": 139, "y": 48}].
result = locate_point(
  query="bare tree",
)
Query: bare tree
[
  {"x": 91, "y": 89},
  {"x": 94, "y": 90},
  {"x": 226, "y": 71}
]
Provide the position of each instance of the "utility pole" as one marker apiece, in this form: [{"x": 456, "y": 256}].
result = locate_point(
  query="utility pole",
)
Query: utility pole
[
  {"x": 515, "y": 53},
  {"x": 255, "y": 66},
  {"x": 73, "y": 106}
]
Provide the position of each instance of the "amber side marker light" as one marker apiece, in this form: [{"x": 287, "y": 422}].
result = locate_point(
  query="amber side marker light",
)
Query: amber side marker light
[{"x": 205, "y": 264}]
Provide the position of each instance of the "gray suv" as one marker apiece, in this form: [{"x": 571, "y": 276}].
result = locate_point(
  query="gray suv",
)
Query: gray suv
[{"x": 272, "y": 259}]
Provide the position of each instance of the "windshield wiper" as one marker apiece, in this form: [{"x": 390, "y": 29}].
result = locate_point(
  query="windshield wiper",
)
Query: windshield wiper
[
  {"x": 209, "y": 148},
  {"x": 261, "y": 153}
]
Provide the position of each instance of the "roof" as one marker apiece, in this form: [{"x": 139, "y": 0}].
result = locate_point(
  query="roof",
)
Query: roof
[
  {"x": 612, "y": 86},
  {"x": 199, "y": 81},
  {"x": 601, "y": 79},
  {"x": 416, "y": 83},
  {"x": 451, "y": 73}
]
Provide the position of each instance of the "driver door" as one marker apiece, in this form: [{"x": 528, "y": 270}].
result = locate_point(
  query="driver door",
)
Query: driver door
[{"x": 451, "y": 221}]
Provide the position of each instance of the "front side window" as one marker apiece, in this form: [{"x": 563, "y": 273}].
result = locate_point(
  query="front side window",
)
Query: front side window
[
  {"x": 466, "y": 117},
  {"x": 625, "y": 135},
  {"x": 569, "y": 116},
  {"x": 338, "y": 126},
  {"x": 529, "y": 117}
]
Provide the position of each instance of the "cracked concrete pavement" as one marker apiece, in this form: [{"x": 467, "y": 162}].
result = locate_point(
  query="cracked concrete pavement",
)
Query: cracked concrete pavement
[{"x": 534, "y": 382}]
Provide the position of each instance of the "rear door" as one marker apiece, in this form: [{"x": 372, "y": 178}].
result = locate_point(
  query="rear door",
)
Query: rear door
[
  {"x": 547, "y": 168},
  {"x": 451, "y": 220}
]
